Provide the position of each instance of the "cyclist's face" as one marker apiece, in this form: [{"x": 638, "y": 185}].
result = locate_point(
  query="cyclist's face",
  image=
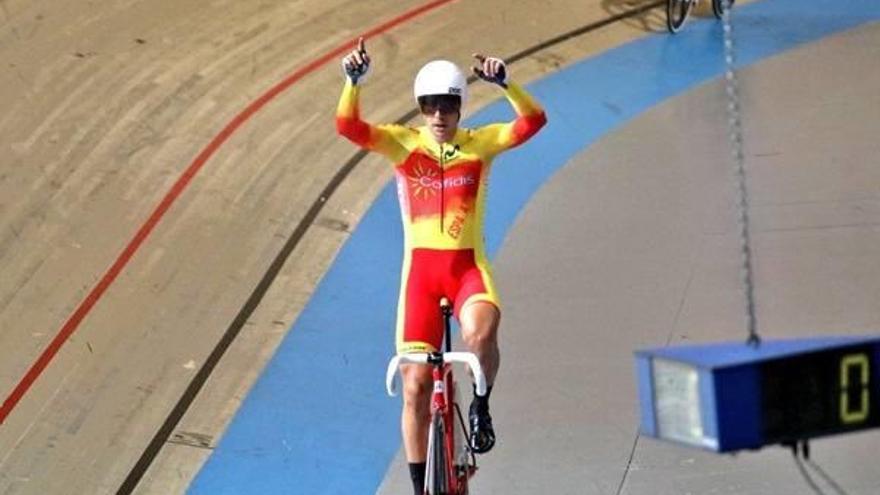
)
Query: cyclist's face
[{"x": 441, "y": 114}]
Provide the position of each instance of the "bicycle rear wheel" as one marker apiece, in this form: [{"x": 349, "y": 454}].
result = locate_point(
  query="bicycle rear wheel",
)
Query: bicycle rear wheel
[
  {"x": 718, "y": 7},
  {"x": 437, "y": 469},
  {"x": 677, "y": 12}
]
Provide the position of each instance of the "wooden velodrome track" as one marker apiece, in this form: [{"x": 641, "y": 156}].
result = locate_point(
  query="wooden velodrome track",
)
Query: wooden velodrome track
[{"x": 108, "y": 111}]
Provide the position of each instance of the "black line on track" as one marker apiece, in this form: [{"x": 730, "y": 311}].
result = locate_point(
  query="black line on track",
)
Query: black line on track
[
  {"x": 629, "y": 460},
  {"x": 195, "y": 386}
]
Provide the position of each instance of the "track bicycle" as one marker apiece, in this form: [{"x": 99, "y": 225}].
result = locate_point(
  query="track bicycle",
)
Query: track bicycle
[
  {"x": 450, "y": 460},
  {"x": 677, "y": 11}
]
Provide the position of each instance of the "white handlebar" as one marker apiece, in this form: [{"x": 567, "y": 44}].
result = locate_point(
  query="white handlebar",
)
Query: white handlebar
[{"x": 467, "y": 358}]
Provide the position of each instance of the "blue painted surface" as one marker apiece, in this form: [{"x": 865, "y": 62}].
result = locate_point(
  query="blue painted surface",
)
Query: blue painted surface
[
  {"x": 317, "y": 421},
  {"x": 648, "y": 420}
]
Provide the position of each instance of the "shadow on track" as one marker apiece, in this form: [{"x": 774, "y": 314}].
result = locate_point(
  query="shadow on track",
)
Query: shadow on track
[{"x": 652, "y": 20}]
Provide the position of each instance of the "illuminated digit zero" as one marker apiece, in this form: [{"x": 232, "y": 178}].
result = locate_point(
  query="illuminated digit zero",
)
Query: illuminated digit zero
[{"x": 859, "y": 361}]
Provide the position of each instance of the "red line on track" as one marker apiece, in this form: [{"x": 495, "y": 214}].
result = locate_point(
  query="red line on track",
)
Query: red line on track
[{"x": 179, "y": 186}]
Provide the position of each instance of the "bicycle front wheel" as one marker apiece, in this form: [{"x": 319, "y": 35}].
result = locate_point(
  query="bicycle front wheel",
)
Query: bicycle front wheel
[
  {"x": 676, "y": 13},
  {"x": 437, "y": 469},
  {"x": 718, "y": 7}
]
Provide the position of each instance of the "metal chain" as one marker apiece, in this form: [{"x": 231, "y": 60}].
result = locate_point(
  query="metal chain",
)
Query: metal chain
[{"x": 735, "y": 136}]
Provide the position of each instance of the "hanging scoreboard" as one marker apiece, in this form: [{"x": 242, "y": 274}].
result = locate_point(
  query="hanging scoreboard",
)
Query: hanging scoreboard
[{"x": 732, "y": 396}]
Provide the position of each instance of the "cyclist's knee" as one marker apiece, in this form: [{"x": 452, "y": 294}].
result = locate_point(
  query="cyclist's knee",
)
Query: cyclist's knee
[
  {"x": 480, "y": 339},
  {"x": 479, "y": 326},
  {"x": 417, "y": 385}
]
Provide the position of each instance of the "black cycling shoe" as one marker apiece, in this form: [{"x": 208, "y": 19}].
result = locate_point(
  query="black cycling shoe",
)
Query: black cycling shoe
[{"x": 482, "y": 437}]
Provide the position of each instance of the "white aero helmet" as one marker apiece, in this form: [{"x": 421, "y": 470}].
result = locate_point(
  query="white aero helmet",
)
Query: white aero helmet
[{"x": 441, "y": 77}]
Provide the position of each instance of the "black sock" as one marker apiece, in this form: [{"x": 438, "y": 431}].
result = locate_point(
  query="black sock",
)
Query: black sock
[
  {"x": 417, "y": 475},
  {"x": 482, "y": 400}
]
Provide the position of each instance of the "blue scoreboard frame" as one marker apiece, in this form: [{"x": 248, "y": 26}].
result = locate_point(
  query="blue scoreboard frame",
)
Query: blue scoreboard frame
[{"x": 732, "y": 396}]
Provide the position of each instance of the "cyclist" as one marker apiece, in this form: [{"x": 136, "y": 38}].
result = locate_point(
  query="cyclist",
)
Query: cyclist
[{"x": 442, "y": 172}]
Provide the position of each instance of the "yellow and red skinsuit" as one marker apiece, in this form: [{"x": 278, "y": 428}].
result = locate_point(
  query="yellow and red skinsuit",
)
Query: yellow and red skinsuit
[{"x": 442, "y": 192}]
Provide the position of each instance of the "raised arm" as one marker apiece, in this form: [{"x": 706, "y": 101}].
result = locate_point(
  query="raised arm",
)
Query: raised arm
[
  {"x": 390, "y": 140},
  {"x": 530, "y": 117}
]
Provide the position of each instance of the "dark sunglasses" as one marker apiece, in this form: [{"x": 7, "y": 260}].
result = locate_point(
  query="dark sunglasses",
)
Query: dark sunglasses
[{"x": 445, "y": 103}]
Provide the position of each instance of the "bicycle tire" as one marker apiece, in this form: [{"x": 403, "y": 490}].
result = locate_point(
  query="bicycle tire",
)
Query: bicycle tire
[
  {"x": 718, "y": 7},
  {"x": 677, "y": 12},
  {"x": 436, "y": 479}
]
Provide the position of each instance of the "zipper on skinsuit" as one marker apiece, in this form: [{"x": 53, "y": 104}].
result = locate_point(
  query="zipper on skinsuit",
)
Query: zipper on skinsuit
[{"x": 442, "y": 190}]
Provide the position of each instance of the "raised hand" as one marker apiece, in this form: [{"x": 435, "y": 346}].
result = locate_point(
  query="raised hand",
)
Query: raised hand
[
  {"x": 491, "y": 69},
  {"x": 357, "y": 63}
]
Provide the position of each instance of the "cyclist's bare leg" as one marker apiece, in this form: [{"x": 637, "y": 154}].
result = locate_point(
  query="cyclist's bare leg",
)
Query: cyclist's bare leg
[
  {"x": 479, "y": 329},
  {"x": 417, "y": 386}
]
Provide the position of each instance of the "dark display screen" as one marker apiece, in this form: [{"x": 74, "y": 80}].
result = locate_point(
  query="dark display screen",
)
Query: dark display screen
[{"x": 819, "y": 393}]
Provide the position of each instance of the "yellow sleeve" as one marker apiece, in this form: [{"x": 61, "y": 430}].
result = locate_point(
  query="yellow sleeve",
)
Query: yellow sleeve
[
  {"x": 530, "y": 118},
  {"x": 390, "y": 140}
]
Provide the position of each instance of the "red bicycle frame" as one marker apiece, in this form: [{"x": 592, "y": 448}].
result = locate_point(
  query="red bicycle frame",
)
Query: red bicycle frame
[
  {"x": 459, "y": 463},
  {"x": 442, "y": 403}
]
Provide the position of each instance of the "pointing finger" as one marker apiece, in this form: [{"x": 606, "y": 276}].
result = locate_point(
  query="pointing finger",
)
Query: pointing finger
[{"x": 361, "y": 47}]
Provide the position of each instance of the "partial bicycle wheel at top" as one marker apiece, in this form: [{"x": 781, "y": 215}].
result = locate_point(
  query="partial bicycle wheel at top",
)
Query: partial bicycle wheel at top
[
  {"x": 719, "y": 6},
  {"x": 677, "y": 11}
]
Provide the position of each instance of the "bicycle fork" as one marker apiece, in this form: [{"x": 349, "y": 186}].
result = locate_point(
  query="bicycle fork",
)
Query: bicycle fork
[
  {"x": 441, "y": 481},
  {"x": 447, "y": 440}
]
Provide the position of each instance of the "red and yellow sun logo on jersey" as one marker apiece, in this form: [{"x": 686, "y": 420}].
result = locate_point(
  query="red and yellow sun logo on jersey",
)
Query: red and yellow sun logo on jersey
[
  {"x": 424, "y": 181},
  {"x": 430, "y": 192}
]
